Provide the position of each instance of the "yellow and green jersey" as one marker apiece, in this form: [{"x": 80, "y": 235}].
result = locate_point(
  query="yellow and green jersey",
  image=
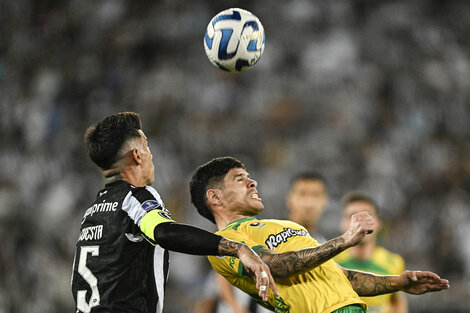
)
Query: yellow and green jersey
[
  {"x": 320, "y": 290},
  {"x": 382, "y": 262}
]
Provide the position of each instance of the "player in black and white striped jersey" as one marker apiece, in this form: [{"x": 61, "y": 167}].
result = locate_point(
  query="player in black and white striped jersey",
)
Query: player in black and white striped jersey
[{"x": 121, "y": 260}]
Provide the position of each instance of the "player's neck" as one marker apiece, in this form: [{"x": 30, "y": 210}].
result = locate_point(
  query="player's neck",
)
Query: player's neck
[
  {"x": 363, "y": 251},
  {"x": 223, "y": 221},
  {"x": 112, "y": 175},
  {"x": 127, "y": 174}
]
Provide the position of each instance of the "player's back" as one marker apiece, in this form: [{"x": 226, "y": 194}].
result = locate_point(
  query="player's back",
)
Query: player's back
[{"x": 115, "y": 268}]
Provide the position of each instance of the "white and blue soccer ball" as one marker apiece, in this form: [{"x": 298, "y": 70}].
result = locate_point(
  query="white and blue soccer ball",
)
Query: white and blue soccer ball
[{"x": 234, "y": 40}]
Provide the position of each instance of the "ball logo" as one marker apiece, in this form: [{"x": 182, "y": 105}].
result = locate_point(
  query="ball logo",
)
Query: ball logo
[{"x": 255, "y": 37}]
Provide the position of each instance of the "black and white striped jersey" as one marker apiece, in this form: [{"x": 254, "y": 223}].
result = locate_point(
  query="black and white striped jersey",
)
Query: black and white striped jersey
[{"x": 115, "y": 269}]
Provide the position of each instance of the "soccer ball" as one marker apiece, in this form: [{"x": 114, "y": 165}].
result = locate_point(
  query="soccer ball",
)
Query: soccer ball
[{"x": 234, "y": 40}]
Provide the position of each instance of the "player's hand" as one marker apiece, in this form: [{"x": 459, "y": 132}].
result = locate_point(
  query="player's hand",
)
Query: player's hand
[
  {"x": 361, "y": 224},
  {"x": 417, "y": 283},
  {"x": 259, "y": 270}
]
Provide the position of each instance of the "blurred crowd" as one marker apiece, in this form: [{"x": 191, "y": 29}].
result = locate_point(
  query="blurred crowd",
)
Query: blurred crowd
[{"x": 373, "y": 94}]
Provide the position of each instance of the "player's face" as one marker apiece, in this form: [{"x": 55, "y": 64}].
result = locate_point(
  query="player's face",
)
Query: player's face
[
  {"x": 239, "y": 194},
  {"x": 357, "y": 207},
  {"x": 148, "y": 169},
  {"x": 306, "y": 201}
]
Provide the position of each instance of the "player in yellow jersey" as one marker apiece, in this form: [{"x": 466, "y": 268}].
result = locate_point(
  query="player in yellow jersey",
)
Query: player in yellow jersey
[
  {"x": 307, "y": 278},
  {"x": 306, "y": 200},
  {"x": 368, "y": 256}
]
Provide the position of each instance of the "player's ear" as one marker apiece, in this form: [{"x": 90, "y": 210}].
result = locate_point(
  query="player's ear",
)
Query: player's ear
[
  {"x": 136, "y": 156},
  {"x": 213, "y": 196}
]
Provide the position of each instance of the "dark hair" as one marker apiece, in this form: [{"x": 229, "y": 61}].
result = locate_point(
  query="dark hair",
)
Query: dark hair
[
  {"x": 357, "y": 196},
  {"x": 309, "y": 175},
  {"x": 105, "y": 139},
  {"x": 209, "y": 175}
]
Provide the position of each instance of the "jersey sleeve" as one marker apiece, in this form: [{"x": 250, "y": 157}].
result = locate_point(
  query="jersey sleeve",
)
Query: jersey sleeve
[{"x": 148, "y": 211}]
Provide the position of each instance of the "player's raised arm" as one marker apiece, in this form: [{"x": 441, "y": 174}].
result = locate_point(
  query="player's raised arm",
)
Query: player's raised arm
[
  {"x": 413, "y": 282},
  {"x": 192, "y": 240},
  {"x": 290, "y": 263}
]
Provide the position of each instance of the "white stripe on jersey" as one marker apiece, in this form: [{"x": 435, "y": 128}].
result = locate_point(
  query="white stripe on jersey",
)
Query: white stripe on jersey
[
  {"x": 133, "y": 207},
  {"x": 158, "y": 265},
  {"x": 155, "y": 194}
]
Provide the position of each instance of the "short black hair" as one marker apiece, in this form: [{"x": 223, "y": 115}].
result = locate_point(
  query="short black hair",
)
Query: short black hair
[
  {"x": 209, "y": 175},
  {"x": 358, "y": 196},
  {"x": 105, "y": 139},
  {"x": 309, "y": 175}
]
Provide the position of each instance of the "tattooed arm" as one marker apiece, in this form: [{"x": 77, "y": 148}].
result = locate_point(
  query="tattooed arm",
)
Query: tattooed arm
[
  {"x": 283, "y": 265},
  {"x": 368, "y": 284},
  {"x": 413, "y": 282},
  {"x": 290, "y": 263}
]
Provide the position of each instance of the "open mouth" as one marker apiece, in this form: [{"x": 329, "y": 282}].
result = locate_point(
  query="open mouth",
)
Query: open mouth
[{"x": 255, "y": 196}]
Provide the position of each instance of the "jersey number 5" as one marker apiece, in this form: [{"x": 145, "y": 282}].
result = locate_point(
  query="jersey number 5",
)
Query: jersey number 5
[{"x": 88, "y": 276}]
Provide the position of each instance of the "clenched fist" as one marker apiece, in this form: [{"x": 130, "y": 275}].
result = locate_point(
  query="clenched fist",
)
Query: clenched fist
[{"x": 361, "y": 224}]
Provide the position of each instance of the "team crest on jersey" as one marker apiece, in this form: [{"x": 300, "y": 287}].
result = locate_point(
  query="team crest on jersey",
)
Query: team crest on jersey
[
  {"x": 149, "y": 205},
  {"x": 276, "y": 239},
  {"x": 257, "y": 224}
]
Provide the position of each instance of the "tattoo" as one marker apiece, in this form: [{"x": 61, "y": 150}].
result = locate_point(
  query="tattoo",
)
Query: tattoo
[
  {"x": 229, "y": 247},
  {"x": 367, "y": 284},
  {"x": 295, "y": 262}
]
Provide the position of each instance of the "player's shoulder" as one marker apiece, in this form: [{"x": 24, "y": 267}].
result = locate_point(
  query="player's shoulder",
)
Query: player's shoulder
[
  {"x": 253, "y": 225},
  {"x": 113, "y": 190},
  {"x": 282, "y": 223},
  {"x": 146, "y": 194},
  {"x": 243, "y": 225}
]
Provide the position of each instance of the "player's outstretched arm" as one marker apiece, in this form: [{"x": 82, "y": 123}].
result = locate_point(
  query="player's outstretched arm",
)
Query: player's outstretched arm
[
  {"x": 413, "y": 282},
  {"x": 192, "y": 240},
  {"x": 417, "y": 282},
  {"x": 290, "y": 263}
]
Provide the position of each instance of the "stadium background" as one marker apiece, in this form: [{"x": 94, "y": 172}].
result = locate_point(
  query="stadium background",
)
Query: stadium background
[{"x": 374, "y": 94}]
